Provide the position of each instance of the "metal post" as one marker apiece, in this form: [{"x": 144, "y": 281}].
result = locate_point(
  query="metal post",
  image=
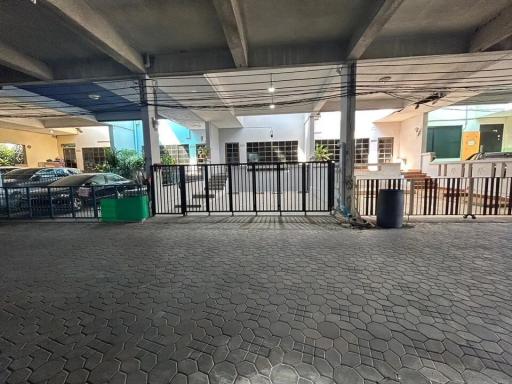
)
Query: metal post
[
  {"x": 330, "y": 185},
  {"x": 230, "y": 189},
  {"x": 304, "y": 181},
  {"x": 7, "y": 203},
  {"x": 29, "y": 203},
  {"x": 183, "y": 191},
  {"x": 347, "y": 128},
  {"x": 72, "y": 200},
  {"x": 51, "y": 201},
  {"x": 411, "y": 198},
  {"x": 152, "y": 189},
  {"x": 95, "y": 206},
  {"x": 207, "y": 188},
  {"x": 254, "y": 201},
  {"x": 469, "y": 211},
  {"x": 279, "y": 188}
]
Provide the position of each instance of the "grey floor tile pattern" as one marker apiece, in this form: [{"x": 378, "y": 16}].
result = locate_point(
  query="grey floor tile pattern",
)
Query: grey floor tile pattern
[{"x": 259, "y": 300}]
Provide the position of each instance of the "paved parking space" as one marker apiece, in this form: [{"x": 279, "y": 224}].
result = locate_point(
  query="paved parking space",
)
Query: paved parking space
[{"x": 259, "y": 300}]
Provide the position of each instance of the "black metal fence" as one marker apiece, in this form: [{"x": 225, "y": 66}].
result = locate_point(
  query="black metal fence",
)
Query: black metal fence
[
  {"x": 247, "y": 187},
  {"x": 441, "y": 196},
  {"x": 60, "y": 202}
]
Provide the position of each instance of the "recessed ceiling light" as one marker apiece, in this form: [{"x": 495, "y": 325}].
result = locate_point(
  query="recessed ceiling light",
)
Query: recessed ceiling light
[
  {"x": 272, "y": 106},
  {"x": 271, "y": 89},
  {"x": 94, "y": 96}
]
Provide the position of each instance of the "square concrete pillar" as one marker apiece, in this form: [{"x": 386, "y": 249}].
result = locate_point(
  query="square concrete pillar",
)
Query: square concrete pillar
[{"x": 149, "y": 117}]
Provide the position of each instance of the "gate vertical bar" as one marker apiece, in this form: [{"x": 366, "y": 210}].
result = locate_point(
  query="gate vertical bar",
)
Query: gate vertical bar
[
  {"x": 411, "y": 197},
  {"x": 279, "y": 188},
  {"x": 183, "y": 191},
  {"x": 254, "y": 202},
  {"x": 330, "y": 186},
  {"x": 304, "y": 187},
  {"x": 230, "y": 189},
  {"x": 152, "y": 186},
  {"x": 49, "y": 190},
  {"x": 94, "y": 202},
  {"x": 207, "y": 188},
  {"x": 30, "y": 214}
]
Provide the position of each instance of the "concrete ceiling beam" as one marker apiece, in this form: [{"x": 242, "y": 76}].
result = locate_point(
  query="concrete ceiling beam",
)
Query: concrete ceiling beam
[
  {"x": 20, "y": 62},
  {"x": 367, "y": 33},
  {"x": 95, "y": 28},
  {"x": 493, "y": 32},
  {"x": 230, "y": 18}
]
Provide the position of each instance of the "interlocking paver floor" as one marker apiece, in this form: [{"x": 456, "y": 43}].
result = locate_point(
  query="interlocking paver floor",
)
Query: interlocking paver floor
[{"x": 258, "y": 300}]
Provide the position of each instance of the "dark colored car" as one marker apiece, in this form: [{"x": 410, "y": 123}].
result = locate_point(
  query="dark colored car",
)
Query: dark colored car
[
  {"x": 36, "y": 177},
  {"x": 77, "y": 191},
  {"x": 490, "y": 156}
]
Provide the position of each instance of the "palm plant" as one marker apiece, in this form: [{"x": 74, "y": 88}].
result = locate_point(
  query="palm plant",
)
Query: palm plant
[{"x": 322, "y": 153}]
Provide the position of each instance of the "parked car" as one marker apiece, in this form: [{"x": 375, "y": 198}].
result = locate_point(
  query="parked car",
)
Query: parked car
[
  {"x": 490, "y": 156},
  {"x": 76, "y": 191},
  {"x": 36, "y": 177},
  {"x": 5, "y": 169}
]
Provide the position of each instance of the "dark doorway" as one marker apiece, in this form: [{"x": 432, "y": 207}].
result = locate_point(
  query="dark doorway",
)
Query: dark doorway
[
  {"x": 491, "y": 137},
  {"x": 69, "y": 157},
  {"x": 444, "y": 141}
]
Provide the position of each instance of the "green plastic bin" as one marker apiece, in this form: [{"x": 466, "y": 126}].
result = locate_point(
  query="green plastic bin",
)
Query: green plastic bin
[{"x": 126, "y": 209}]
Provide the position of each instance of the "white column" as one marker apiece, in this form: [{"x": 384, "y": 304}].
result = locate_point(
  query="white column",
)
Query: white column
[
  {"x": 347, "y": 130},
  {"x": 149, "y": 119},
  {"x": 310, "y": 138}
]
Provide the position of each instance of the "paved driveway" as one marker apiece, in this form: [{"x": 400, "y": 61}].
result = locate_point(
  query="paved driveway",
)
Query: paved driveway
[{"x": 255, "y": 301}]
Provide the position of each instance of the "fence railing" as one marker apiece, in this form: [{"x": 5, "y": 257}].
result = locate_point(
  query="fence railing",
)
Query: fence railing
[
  {"x": 441, "y": 196},
  {"x": 61, "y": 202},
  {"x": 247, "y": 187}
]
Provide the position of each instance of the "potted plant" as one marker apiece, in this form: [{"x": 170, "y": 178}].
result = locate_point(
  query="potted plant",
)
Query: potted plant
[
  {"x": 131, "y": 207},
  {"x": 203, "y": 153},
  {"x": 322, "y": 153}
]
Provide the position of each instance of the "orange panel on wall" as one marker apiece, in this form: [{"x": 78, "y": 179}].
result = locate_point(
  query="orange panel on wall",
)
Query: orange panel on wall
[{"x": 470, "y": 144}]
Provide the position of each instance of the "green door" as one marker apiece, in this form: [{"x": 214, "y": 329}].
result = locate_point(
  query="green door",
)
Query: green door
[{"x": 444, "y": 141}]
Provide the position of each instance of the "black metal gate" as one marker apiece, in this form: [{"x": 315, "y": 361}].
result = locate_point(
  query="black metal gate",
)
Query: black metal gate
[{"x": 247, "y": 187}]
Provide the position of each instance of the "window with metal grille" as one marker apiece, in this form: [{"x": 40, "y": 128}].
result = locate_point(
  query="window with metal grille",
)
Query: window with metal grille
[
  {"x": 179, "y": 152},
  {"x": 232, "y": 153},
  {"x": 333, "y": 147},
  {"x": 93, "y": 157},
  {"x": 272, "y": 151},
  {"x": 385, "y": 149},
  {"x": 362, "y": 147}
]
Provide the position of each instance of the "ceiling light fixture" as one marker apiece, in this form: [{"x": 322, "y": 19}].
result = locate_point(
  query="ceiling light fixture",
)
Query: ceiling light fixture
[
  {"x": 271, "y": 89},
  {"x": 94, "y": 96},
  {"x": 272, "y": 105}
]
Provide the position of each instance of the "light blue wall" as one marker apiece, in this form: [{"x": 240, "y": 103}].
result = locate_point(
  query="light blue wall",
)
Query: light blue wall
[
  {"x": 171, "y": 133},
  {"x": 127, "y": 135}
]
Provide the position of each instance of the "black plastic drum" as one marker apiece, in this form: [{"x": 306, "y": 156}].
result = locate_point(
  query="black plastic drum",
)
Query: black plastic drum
[{"x": 390, "y": 208}]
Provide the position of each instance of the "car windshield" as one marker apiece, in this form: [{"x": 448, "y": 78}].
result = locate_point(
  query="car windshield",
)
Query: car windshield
[{"x": 72, "y": 181}]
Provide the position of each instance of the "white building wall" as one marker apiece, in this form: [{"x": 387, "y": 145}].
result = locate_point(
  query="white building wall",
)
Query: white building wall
[
  {"x": 411, "y": 140},
  {"x": 264, "y": 128},
  {"x": 327, "y": 127}
]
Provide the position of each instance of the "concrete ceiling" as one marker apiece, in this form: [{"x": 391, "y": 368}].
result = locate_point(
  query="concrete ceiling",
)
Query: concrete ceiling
[
  {"x": 205, "y": 53},
  {"x": 100, "y": 39}
]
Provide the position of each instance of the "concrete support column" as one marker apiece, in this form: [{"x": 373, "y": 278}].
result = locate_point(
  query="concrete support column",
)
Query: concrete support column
[
  {"x": 310, "y": 138},
  {"x": 212, "y": 141},
  {"x": 347, "y": 130},
  {"x": 149, "y": 119}
]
